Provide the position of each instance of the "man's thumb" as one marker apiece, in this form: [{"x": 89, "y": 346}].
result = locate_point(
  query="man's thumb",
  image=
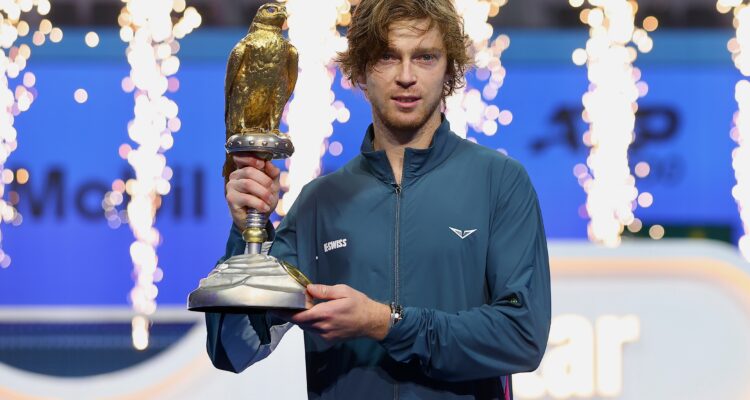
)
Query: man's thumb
[{"x": 320, "y": 292}]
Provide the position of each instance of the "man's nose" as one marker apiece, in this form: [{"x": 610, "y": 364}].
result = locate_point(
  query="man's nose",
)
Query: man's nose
[{"x": 406, "y": 77}]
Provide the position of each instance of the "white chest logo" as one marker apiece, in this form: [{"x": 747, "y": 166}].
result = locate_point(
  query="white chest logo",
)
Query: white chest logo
[
  {"x": 462, "y": 234},
  {"x": 334, "y": 244}
]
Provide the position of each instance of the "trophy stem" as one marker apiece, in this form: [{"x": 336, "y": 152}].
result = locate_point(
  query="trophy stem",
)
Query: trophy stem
[
  {"x": 255, "y": 231},
  {"x": 252, "y": 248}
]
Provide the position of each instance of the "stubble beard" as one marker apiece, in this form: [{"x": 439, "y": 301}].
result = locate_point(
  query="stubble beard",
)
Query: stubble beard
[{"x": 405, "y": 130}]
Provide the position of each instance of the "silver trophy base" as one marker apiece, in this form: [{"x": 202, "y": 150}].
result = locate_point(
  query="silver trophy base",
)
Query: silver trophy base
[
  {"x": 238, "y": 300},
  {"x": 245, "y": 282}
]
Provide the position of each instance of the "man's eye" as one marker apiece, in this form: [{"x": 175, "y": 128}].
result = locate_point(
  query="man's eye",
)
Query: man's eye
[
  {"x": 386, "y": 57},
  {"x": 427, "y": 57}
]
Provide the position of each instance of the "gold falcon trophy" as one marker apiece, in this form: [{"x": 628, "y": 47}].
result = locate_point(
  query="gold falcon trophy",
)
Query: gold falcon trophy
[{"x": 261, "y": 74}]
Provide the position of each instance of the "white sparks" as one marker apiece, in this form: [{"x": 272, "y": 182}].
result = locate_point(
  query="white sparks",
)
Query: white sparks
[
  {"x": 609, "y": 108},
  {"x": 312, "y": 30},
  {"x": 740, "y": 48},
  {"x": 468, "y": 107},
  {"x": 150, "y": 28},
  {"x": 14, "y": 101}
]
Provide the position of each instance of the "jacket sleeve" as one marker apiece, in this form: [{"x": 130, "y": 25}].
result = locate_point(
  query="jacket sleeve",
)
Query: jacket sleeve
[
  {"x": 236, "y": 341},
  {"x": 508, "y": 335}
]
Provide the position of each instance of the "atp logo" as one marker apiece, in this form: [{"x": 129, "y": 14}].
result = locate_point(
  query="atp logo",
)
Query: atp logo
[{"x": 462, "y": 234}]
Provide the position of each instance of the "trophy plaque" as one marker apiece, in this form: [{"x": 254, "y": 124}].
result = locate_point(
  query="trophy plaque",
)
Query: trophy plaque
[{"x": 261, "y": 74}]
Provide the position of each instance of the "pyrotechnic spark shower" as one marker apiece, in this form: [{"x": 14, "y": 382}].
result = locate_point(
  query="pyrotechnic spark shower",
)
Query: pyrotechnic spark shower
[
  {"x": 468, "y": 107},
  {"x": 610, "y": 106},
  {"x": 13, "y": 60},
  {"x": 146, "y": 25},
  {"x": 740, "y": 49},
  {"x": 310, "y": 115}
]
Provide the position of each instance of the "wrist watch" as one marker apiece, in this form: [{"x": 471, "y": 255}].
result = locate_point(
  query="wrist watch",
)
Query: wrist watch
[{"x": 397, "y": 314}]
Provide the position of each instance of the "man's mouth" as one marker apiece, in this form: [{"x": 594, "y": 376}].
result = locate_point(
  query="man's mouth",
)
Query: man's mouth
[{"x": 406, "y": 101}]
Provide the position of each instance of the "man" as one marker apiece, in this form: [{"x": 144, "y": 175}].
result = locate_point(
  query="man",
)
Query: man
[{"x": 428, "y": 251}]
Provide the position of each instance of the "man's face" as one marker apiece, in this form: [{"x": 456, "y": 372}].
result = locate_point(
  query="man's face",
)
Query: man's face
[{"x": 405, "y": 85}]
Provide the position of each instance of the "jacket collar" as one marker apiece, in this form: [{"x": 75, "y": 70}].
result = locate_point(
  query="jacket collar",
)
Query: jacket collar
[{"x": 417, "y": 162}]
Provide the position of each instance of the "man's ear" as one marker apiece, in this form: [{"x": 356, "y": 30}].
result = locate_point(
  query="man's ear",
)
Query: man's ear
[{"x": 362, "y": 85}]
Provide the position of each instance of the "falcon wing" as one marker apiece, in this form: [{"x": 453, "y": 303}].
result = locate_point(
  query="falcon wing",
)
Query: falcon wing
[
  {"x": 233, "y": 66},
  {"x": 292, "y": 67}
]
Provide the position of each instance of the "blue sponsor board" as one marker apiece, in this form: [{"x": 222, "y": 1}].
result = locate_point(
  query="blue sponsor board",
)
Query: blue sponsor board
[{"x": 65, "y": 253}]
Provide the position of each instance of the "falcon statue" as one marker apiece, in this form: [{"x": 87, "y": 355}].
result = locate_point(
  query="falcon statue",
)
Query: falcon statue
[{"x": 261, "y": 74}]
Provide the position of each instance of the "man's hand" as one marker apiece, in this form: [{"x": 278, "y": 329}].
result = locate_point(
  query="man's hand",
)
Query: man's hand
[
  {"x": 254, "y": 184},
  {"x": 346, "y": 314}
]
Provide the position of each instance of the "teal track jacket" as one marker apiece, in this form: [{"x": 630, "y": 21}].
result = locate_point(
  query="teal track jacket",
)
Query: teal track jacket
[{"x": 460, "y": 244}]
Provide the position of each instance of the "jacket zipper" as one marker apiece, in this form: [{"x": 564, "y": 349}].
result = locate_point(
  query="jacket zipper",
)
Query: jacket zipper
[{"x": 395, "y": 263}]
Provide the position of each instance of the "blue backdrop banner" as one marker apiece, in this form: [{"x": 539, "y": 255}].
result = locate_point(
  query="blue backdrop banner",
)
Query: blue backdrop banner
[{"x": 64, "y": 252}]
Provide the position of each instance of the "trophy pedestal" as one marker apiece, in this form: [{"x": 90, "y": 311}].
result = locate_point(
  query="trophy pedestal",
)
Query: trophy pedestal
[
  {"x": 245, "y": 282},
  {"x": 238, "y": 300}
]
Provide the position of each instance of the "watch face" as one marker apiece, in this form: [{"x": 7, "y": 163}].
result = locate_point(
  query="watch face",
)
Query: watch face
[{"x": 396, "y": 313}]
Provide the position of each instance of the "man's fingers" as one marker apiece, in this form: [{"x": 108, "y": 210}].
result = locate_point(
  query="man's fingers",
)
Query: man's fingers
[
  {"x": 252, "y": 174},
  {"x": 319, "y": 312},
  {"x": 284, "y": 315},
  {"x": 307, "y": 317},
  {"x": 246, "y": 161},
  {"x": 308, "y": 322},
  {"x": 271, "y": 170},
  {"x": 251, "y": 187},
  {"x": 242, "y": 160},
  {"x": 325, "y": 292},
  {"x": 239, "y": 199}
]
